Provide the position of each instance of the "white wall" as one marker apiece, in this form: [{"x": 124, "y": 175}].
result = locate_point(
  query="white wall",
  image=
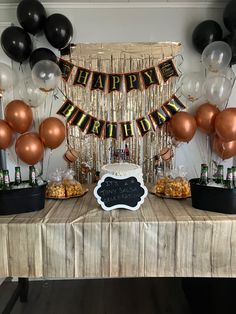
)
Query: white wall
[{"x": 136, "y": 23}]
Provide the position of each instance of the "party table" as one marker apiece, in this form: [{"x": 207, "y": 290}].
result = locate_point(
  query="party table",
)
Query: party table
[{"x": 75, "y": 238}]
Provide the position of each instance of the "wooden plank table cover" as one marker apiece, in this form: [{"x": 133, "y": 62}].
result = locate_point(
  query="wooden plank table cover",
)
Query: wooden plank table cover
[{"x": 75, "y": 238}]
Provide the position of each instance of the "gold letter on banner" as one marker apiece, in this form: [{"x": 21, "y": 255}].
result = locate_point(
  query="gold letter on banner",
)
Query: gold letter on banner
[
  {"x": 149, "y": 77},
  {"x": 98, "y": 81},
  {"x": 127, "y": 129},
  {"x": 173, "y": 106},
  {"x": 158, "y": 118},
  {"x": 111, "y": 130},
  {"x": 96, "y": 127},
  {"x": 66, "y": 69},
  {"x": 114, "y": 82},
  {"x": 81, "y": 77},
  {"x": 80, "y": 119},
  {"x": 167, "y": 69},
  {"x": 144, "y": 125},
  {"x": 131, "y": 81},
  {"x": 67, "y": 109}
]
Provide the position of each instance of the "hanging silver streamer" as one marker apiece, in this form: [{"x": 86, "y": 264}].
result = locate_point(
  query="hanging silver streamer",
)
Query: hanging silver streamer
[{"x": 120, "y": 106}]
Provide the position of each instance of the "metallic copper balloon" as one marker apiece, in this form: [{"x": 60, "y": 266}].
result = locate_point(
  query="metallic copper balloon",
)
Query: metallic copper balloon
[
  {"x": 225, "y": 124},
  {"x": 19, "y": 116},
  {"x": 6, "y": 134},
  {"x": 223, "y": 149},
  {"x": 52, "y": 132},
  {"x": 205, "y": 117},
  {"x": 29, "y": 148},
  {"x": 183, "y": 126}
]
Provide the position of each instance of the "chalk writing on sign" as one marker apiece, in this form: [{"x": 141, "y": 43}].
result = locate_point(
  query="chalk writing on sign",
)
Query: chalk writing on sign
[{"x": 120, "y": 192}]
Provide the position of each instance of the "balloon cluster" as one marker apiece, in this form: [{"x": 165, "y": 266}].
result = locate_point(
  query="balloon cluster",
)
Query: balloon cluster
[
  {"x": 31, "y": 15},
  {"x": 217, "y": 53},
  {"x": 216, "y": 86},
  {"x": 222, "y": 125},
  {"x": 29, "y": 146},
  {"x": 16, "y": 42},
  {"x": 210, "y": 31}
]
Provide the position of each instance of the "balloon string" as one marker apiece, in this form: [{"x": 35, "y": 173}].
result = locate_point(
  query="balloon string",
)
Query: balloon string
[
  {"x": 50, "y": 109},
  {"x": 45, "y": 105},
  {"x": 227, "y": 102},
  {"x": 62, "y": 92},
  {"x": 49, "y": 158}
]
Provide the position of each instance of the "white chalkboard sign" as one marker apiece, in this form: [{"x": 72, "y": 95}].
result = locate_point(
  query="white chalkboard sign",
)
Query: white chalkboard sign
[{"x": 120, "y": 192}]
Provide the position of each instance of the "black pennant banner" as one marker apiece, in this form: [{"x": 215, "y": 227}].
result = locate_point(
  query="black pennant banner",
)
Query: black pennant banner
[
  {"x": 111, "y": 130},
  {"x": 67, "y": 110},
  {"x": 96, "y": 127},
  {"x": 144, "y": 125},
  {"x": 66, "y": 69},
  {"x": 149, "y": 77},
  {"x": 158, "y": 118},
  {"x": 80, "y": 119},
  {"x": 107, "y": 129},
  {"x": 110, "y": 82},
  {"x": 127, "y": 129},
  {"x": 114, "y": 82},
  {"x": 82, "y": 77},
  {"x": 98, "y": 81},
  {"x": 167, "y": 69},
  {"x": 132, "y": 81},
  {"x": 173, "y": 106}
]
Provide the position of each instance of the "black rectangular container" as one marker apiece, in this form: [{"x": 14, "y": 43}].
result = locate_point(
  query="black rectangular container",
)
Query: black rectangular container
[
  {"x": 212, "y": 198},
  {"x": 22, "y": 200}
]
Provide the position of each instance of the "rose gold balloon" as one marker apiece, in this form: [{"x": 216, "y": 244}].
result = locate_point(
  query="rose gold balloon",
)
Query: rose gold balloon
[
  {"x": 6, "y": 134},
  {"x": 19, "y": 116},
  {"x": 225, "y": 124},
  {"x": 52, "y": 132},
  {"x": 183, "y": 126},
  {"x": 223, "y": 149},
  {"x": 29, "y": 148},
  {"x": 205, "y": 117}
]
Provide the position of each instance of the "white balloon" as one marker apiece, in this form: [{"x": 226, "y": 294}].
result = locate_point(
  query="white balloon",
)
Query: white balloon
[
  {"x": 217, "y": 56},
  {"x": 191, "y": 85},
  {"x": 217, "y": 89},
  {"x": 6, "y": 77},
  {"x": 31, "y": 94},
  {"x": 46, "y": 75}
]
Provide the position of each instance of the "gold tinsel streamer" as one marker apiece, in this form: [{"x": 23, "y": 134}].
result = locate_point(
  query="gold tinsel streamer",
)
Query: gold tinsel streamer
[{"x": 120, "y": 106}]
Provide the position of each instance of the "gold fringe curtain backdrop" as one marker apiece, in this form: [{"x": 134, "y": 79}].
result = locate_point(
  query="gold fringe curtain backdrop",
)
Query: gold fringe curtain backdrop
[{"x": 120, "y": 106}]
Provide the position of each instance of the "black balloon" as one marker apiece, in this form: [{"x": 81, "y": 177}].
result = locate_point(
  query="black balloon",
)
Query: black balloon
[
  {"x": 229, "y": 16},
  {"x": 31, "y": 15},
  {"x": 231, "y": 41},
  {"x": 42, "y": 54},
  {"x": 16, "y": 43},
  {"x": 205, "y": 33},
  {"x": 58, "y": 30}
]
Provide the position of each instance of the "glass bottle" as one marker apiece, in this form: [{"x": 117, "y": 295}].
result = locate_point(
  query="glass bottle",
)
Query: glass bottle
[
  {"x": 229, "y": 179},
  {"x": 234, "y": 175},
  {"x": 1, "y": 179},
  {"x": 18, "y": 180},
  {"x": 32, "y": 176},
  {"x": 220, "y": 175},
  {"x": 97, "y": 176},
  {"x": 6, "y": 180},
  {"x": 204, "y": 174}
]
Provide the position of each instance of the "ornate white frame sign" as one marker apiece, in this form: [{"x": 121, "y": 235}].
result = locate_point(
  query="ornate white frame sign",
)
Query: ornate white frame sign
[{"x": 124, "y": 192}]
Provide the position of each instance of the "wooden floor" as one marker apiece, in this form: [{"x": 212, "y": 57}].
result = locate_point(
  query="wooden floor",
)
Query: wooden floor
[{"x": 111, "y": 296}]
